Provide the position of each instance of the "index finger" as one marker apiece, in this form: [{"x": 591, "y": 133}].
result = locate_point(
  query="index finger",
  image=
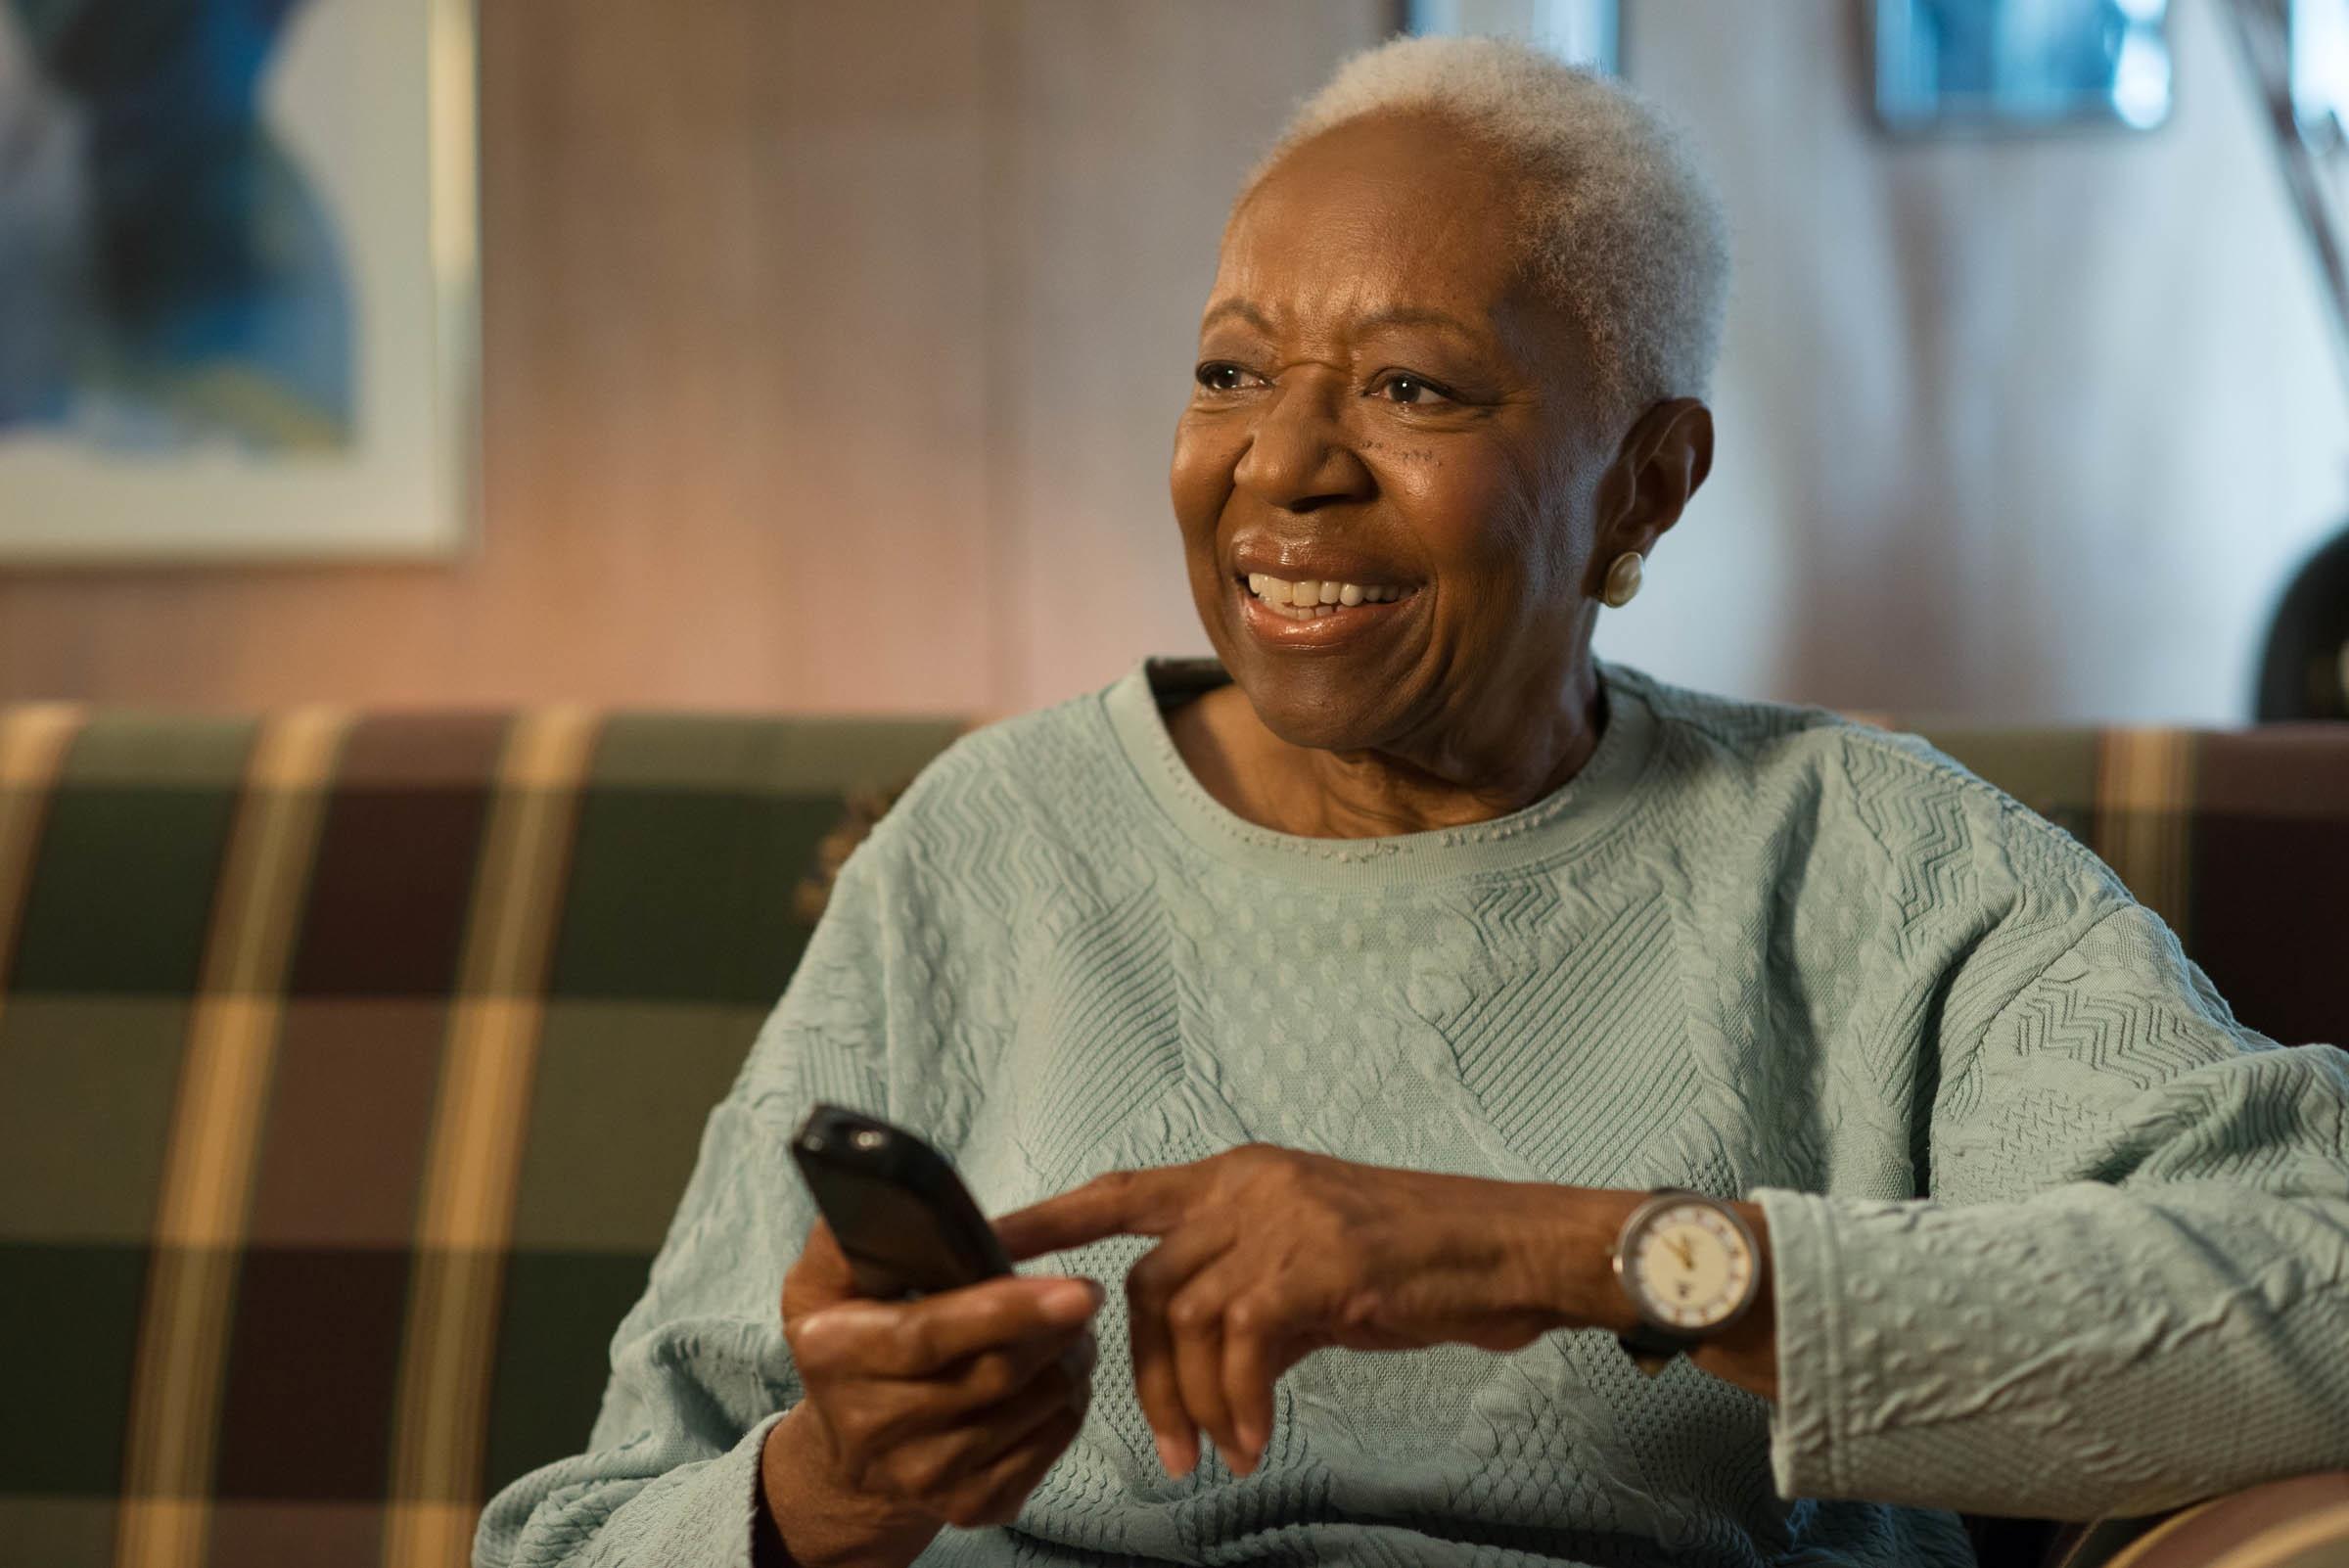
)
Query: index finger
[{"x": 1117, "y": 1203}]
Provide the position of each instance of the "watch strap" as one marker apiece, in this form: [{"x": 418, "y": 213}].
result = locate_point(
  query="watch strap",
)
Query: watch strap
[{"x": 1652, "y": 1348}]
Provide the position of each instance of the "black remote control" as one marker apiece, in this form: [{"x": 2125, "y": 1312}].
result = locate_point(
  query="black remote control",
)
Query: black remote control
[{"x": 901, "y": 1214}]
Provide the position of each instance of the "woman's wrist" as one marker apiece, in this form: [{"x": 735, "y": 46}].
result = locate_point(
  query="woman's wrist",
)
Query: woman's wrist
[
  {"x": 1574, "y": 1237},
  {"x": 1746, "y": 1352},
  {"x": 812, "y": 1518}
]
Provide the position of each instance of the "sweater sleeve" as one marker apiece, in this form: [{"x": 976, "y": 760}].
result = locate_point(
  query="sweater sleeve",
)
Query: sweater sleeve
[
  {"x": 700, "y": 1366},
  {"x": 2130, "y": 1287}
]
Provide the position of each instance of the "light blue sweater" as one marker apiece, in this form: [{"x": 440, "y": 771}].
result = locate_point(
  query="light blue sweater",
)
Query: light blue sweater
[{"x": 2053, "y": 1234}]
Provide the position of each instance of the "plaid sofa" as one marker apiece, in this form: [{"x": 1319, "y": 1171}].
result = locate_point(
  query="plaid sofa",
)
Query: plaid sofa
[{"x": 352, "y": 1063}]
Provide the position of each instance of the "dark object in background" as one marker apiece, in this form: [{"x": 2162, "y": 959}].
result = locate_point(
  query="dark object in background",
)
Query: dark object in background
[
  {"x": 2294, "y": 59},
  {"x": 865, "y": 808},
  {"x": 2305, "y": 671}
]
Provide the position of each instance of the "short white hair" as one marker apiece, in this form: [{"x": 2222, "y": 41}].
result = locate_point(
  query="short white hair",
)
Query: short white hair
[{"x": 1618, "y": 225}]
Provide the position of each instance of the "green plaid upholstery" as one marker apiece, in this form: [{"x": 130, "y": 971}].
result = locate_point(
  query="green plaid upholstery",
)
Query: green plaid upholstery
[{"x": 350, "y": 1066}]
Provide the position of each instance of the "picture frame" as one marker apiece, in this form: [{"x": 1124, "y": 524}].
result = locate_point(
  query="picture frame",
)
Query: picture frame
[
  {"x": 2020, "y": 66},
  {"x": 244, "y": 285}
]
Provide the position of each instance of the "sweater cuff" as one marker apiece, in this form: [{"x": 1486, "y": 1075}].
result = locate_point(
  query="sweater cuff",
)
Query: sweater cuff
[
  {"x": 1807, "y": 1277},
  {"x": 745, "y": 1487},
  {"x": 710, "y": 1519}
]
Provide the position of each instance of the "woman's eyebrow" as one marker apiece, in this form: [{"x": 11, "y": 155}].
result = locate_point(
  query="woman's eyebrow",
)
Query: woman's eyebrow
[
  {"x": 1236, "y": 308},
  {"x": 1417, "y": 316},
  {"x": 1398, "y": 317}
]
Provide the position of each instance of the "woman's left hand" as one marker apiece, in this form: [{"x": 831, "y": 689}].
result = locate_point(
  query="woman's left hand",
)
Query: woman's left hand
[{"x": 1270, "y": 1254}]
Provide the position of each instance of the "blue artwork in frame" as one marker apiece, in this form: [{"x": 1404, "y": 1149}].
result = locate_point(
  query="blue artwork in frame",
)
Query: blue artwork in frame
[
  {"x": 210, "y": 296},
  {"x": 237, "y": 280},
  {"x": 2319, "y": 44},
  {"x": 2021, "y": 65}
]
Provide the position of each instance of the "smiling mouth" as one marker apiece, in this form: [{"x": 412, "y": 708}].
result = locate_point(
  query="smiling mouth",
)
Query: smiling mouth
[{"x": 1317, "y": 600}]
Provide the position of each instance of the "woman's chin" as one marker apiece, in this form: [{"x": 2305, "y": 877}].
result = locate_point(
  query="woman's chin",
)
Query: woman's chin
[
  {"x": 1327, "y": 708},
  {"x": 1328, "y": 687}
]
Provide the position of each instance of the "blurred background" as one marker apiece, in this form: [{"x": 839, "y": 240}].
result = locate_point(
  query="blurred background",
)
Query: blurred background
[{"x": 826, "y": 357}]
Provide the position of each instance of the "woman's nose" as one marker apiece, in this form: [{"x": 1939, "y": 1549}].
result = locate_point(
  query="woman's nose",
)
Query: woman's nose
[{"x": 1299, "y": 455}]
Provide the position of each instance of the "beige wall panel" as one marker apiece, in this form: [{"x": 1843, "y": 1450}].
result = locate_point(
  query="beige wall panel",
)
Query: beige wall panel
[
  {"x": 1134, "y": 125},
  {"x": 733, "y": 420}
]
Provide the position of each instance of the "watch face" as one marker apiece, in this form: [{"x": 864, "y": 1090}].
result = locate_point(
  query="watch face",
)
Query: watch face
[{"x": 1689, "y": 1265}]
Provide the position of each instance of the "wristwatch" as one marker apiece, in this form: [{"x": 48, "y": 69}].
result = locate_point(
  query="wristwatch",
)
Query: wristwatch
[{"x": 1690, "y": 1268}]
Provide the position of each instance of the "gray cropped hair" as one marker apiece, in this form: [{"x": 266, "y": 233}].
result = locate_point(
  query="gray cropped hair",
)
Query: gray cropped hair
[{"x": 1618, "y": 224}]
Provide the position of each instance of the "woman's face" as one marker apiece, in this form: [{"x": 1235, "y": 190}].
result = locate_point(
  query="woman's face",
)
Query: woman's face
[{"x": 1382, "y": 402}]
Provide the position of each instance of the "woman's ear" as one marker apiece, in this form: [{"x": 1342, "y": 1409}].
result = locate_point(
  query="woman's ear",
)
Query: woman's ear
[{"x": 1661, "y": 465}]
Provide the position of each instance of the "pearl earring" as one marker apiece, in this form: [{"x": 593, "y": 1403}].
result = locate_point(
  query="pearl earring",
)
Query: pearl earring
[{"x": 1623, "y": 579}]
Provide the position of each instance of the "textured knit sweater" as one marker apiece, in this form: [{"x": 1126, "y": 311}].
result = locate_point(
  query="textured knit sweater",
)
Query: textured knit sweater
[{"x": 2053, "y": 1234}]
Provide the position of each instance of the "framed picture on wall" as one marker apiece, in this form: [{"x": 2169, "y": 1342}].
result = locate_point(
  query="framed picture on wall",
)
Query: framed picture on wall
[
  {"x": 237, "y": 280},
  {"x": 2021, "y": 65}
]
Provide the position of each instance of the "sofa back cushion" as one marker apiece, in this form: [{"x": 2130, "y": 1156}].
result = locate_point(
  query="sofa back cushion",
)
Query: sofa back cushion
[
  {"x": 351, "y": 1065},
  {"x": 2239, "y": 839}
]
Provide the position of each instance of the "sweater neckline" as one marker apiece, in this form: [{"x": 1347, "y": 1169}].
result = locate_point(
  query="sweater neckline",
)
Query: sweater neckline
[{"x": 1568, "y": 818}]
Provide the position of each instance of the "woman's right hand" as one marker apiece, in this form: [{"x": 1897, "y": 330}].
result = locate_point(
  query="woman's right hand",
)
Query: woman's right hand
[{"x": 943, "y": 1410}]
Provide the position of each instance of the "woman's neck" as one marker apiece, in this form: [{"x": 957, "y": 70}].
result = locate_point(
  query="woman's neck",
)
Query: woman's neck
[{"x": 1314, "y": 792}]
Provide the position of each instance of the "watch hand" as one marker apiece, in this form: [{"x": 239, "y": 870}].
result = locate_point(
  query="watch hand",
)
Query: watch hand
[{"x": 1683, "y": 1251}]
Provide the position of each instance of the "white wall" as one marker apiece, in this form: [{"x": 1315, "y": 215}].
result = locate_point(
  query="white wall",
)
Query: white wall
[
  {"x": 2029, "y": 428},
  {"x": 2019, "y": 429}
]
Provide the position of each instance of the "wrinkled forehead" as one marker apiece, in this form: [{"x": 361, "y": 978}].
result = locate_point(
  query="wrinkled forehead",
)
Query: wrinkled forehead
[{"x": 1390, "y": 206}]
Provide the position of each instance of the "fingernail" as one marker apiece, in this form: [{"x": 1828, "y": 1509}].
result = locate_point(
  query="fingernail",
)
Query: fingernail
[
  {"x": 1073, "y": 1297},
  {"x": 1168, "y": 1454}
]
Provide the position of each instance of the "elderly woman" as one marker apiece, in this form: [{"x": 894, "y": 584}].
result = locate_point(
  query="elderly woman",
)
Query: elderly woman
[{"x": 1389, "y": 962}]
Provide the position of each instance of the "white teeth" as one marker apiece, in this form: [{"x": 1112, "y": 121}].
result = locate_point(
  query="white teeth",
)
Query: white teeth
[{"x": 1310, "y": 599}]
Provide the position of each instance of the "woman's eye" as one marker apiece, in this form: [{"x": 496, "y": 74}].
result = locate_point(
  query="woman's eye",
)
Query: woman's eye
[
  {"x": 1404, "y": 389},
  {"x": 1217, "y": 376}
]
